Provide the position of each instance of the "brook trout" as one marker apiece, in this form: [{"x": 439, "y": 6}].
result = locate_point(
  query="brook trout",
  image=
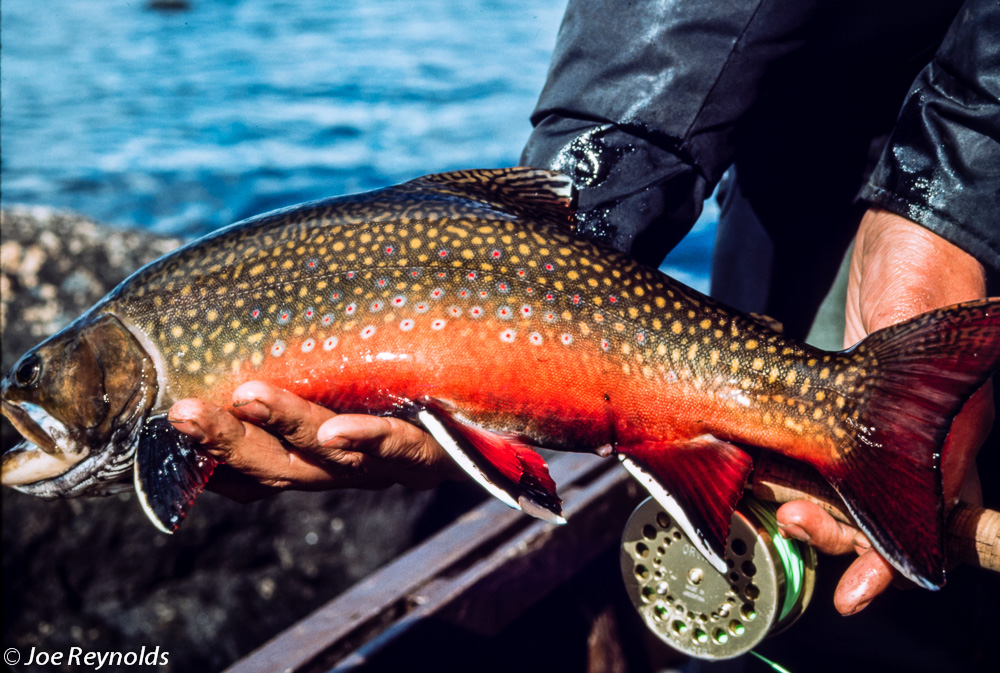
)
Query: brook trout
[{"x": 463, "y": 303}]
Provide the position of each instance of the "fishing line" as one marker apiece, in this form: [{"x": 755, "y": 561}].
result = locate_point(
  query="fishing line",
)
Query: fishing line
[
  {"x": 778, "y": 667},
  {"x": 789, "y": 554}
]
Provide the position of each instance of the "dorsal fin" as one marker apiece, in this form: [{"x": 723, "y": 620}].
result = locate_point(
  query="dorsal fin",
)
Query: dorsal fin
[
  {"x": 768, "y": 322},
  {"x": 533, "y": 193}
]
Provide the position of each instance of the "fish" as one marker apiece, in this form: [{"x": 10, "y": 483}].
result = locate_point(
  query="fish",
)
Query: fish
[{"x": 465, "y": 303}]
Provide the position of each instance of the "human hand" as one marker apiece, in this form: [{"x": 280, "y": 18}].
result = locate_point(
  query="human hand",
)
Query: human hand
[
  {"x": 899, "y": 270},
  {"x": 272, "y": 440}
]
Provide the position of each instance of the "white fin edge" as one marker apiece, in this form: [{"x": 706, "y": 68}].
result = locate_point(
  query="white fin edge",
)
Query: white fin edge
[
  {"x": 448, "y": 443},
  {"x": 143, "y": 500},
  {"x": 673, "y": 508}
]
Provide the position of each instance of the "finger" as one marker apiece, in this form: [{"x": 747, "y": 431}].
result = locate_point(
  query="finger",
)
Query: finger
[
  {"x": 865, "y": 579},
  {"x": 393, "y": 441},
  {"x": 281, "y": 412},
  {"x": 810, "y": 523},
  {"x": 245, "y": 447}
]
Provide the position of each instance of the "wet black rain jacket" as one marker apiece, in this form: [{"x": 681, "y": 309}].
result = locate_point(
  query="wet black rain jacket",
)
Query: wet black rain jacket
[{"x": 647, "y": 104}]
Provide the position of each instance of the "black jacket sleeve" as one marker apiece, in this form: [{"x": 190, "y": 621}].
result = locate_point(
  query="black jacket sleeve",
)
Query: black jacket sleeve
[
  {"x": 641, "y": 103},
  {"x": 941, "y": 167}
]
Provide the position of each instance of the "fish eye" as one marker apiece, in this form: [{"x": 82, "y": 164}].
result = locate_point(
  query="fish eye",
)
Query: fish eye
[{"x": 28, "y": 371}]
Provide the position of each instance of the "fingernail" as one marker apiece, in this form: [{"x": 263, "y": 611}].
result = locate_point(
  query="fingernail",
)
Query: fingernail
[
  {"x": 861, "y": 542},
  {"x": 794, "y": 531},
  {"x": 191, "y": 429},
  {"x": 859, "y": 607},
  {"x": 332, "y": 440},
  {"x": 253, "y": 409}
]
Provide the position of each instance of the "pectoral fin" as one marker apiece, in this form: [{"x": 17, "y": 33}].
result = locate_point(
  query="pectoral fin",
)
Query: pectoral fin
[
  {"x": 697, "y": 482},
  {"x": 169, "y": 473},
  {"x": 510, "y": 470}
]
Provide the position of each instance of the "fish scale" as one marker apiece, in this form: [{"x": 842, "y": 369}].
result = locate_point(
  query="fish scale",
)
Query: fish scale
[{"x": 465, "y": 303}]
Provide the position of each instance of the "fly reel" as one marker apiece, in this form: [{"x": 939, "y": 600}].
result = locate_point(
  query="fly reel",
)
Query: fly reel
[{"x": 693, "y": 607}]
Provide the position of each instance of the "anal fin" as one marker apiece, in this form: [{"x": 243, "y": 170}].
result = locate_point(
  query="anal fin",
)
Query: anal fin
[
  {"x": 168, "y": 473},
  {"x": 698, "y": 482},
  {"x": 510, "y": 470}
]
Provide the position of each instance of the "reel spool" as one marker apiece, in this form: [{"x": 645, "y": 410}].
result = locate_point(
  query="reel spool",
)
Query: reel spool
[{"x": 705, "y": 614}]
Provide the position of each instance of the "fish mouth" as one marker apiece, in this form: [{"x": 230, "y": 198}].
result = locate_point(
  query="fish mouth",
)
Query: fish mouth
[{"x": 39, "y": 458}]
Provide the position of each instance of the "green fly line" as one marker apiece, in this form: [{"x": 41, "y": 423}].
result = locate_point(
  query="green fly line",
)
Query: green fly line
[
  {"x": 788, "y": 554},
  {"x": 778, "y": 667}
]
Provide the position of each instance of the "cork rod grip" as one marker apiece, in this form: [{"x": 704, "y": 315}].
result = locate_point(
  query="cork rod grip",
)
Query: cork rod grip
[{"x": 973, "y": 533}]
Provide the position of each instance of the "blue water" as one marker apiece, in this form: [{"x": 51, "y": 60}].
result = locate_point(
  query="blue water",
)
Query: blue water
[{"x": 182, "y": 122}]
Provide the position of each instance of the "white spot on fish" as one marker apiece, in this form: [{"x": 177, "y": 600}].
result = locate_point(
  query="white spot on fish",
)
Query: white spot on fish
[
  {"x": 567, "y": 339},
  {"x": 535, "y": 338},
  {"x": 437, "y": 293},
  {"x": 507, "y": 336},
  {"x": 278, "y": 349},
  {"x": 406, "y": 325},
  {"x": 367, "y": 332},
  {"x": 399, "y": 300},
  {"x": 308, "y": 345},
  {"x": 476, "y": 311},
  {"x": 505, "y": 313},
  {"x": 455, "y": 311},
  {"x": 438, "y": 324}
]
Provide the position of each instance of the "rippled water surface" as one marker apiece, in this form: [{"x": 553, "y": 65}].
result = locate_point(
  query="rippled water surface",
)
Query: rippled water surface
[{"x": 188, "y": 120}]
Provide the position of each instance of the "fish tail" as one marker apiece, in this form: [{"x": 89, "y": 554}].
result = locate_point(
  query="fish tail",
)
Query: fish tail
[{"x": 905, "y": 385}]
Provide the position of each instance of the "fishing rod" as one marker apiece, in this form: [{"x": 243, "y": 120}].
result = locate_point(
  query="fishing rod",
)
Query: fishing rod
[{"x": 769, "y": 580}]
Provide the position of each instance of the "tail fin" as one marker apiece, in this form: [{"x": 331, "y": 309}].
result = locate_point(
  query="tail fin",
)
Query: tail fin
[{"x": 905, "y": 384}]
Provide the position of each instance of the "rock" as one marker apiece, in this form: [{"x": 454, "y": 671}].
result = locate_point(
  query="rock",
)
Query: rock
[{"x": 94, "y": 573}]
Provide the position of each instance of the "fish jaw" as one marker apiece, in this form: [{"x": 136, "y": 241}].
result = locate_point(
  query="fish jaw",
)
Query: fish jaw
[{"x": 47, "y": 452}]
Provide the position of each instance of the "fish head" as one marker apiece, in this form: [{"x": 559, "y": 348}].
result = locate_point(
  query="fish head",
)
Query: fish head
[{"x": 79, "y": 399}]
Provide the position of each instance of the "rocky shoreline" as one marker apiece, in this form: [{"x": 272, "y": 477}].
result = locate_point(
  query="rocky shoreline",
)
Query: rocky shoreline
[{"x": 94, "y": 573}]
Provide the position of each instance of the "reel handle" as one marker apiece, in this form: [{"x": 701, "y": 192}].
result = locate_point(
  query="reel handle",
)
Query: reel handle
[{"x": 973, "y": 533}]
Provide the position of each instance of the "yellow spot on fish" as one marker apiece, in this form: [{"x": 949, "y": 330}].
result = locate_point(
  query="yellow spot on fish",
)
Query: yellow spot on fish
[
  {"x": 209, "y": 379},
  {"x": 751, "y": 344},
  {"x": 258, "y": 269},
  {"x": 177, "y": 331},
  {"x": 676, "y": 327},
  {"x": 818, "y": 414},
  {"x": 772, "y": 375},
  {"x": 256, "y": 358},
  {"x": 734, "y": 365},
  {"x": 820, "y": 396},
  {"x": 660, "y": 302},
  {"x": 757, "y": 364},
  {"x": 254, "y": 338},
  {"x": 337, "y": 247},
  {"x": 692, "y": 352},
  {"x": 705, "y": 324},
  {"x": 212, "y": 315},
  {"x": 790, "y": 377},
  {"x": 193, "y": 366},
  {"x": 229, "y": 348},
  {"x": 713, "y": 357},
  {"x": 197, "y": 342},
  {"x": 573, "y": 275},
  {"x": 824, "y": 373}
]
